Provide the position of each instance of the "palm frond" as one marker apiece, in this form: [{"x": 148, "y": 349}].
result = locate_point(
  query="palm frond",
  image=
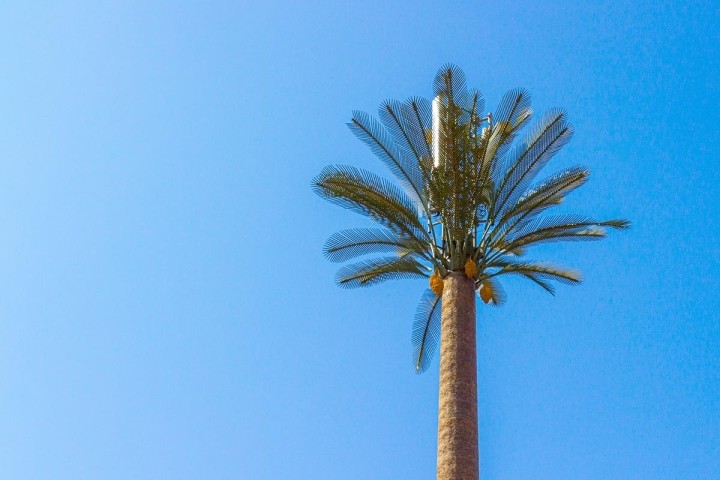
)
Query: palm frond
[
  {"x": 543, "y": 271},
  {"x": 566, "y": 220},
  {"x": 370, "y": 272},
  {"x": 426, "y": 330},
  {"x": 347, "y": 244},
  {"x": 529, "y": 157},
  {"x": 513, "y": 107},
  {"x": 418, "y": 117},
  {"x": 511, "y": 115},
  {"x": 617, "y": 224},
  {"x": 450, "y": 84},
  {"x": 535, "y": 200},
  {"x": 476, "y": 107},
  {"x": 408, "y": 132},
  {"x": 543, "y": 283},
  {"x": 560, "y": 228},
  {"x": 370, "y": 195},
  {"x": 371, "y": 132}
]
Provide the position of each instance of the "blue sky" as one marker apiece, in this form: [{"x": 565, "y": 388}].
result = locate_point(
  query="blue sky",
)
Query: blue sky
[{"x": 165, "y": 308}]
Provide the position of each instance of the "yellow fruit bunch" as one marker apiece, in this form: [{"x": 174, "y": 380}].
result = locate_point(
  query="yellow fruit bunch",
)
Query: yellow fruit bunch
[{"x": 437, "y": 283}]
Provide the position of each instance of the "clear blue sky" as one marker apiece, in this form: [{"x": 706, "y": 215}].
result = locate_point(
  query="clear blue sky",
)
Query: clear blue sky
[{"x": 165, "y": 308}]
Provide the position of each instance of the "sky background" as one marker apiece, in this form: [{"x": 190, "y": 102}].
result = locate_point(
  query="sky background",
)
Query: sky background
[{"x": 165, "y": 308}]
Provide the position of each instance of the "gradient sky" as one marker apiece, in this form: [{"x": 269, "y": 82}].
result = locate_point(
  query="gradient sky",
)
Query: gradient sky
[{"x": 165, "y": 308}]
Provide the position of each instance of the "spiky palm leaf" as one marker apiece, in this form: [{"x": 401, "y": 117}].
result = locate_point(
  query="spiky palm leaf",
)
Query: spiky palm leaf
[
  {"x": 404, "y": 167},
  {"x": 426, "y": 330},
  {"x": 348, "y": 244},
  {"x": 477, "y": 198},
  {"x": 371, "y": 195},
  {"x": 528, "y": 158},
  {"x": 369, "y": 272}
]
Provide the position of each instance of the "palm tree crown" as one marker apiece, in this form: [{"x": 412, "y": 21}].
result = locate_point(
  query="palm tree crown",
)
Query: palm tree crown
[{"x": 468, "y": 198}]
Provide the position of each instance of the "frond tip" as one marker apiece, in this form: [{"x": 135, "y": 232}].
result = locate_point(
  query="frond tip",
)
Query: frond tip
[
  {"x": 426, "y": 330},
  {"x": 370, "y": 195}
]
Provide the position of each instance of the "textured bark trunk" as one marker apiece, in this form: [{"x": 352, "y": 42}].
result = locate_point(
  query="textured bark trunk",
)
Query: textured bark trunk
[{"x": 457, "y": 457}]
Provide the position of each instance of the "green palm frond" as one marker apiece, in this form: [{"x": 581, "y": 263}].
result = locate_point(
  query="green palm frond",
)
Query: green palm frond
[
  {"x": 540, "y": 281},
  {"x": 510, "y": 117},
  {"x": 348, "y": 244},
  {"x": 543, "y": 271},
  {"x": 405, "y": 168},
  {"x": 426, "y": 330},
  {"x": 370, "y": 272},
  {"x": 418, "y": 117},
  {"x": 527, "y": 159},
  {"x": 450, "y": 84},
  {"x": 561, "y": 228},
  {"x": 370, "y": 195},
  {"x": 407, "y": 128},
  {"x": 536, "y": 200}
]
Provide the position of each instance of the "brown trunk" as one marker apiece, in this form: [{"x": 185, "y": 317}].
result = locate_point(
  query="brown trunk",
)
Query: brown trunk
[{"x": 457, "y": 457}]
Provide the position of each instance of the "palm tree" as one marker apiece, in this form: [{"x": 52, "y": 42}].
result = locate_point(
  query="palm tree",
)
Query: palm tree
[{"x": 467, "y": 209}]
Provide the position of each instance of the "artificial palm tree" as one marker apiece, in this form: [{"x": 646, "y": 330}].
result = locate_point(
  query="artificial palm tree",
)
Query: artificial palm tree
[{"x": 467, "y": 209}]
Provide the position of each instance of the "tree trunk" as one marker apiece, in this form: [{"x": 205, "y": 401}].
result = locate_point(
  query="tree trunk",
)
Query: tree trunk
[{"x": 457, "y": 457}]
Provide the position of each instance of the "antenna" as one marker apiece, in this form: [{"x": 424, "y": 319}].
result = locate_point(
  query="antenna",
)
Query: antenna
[
  {"x": 435, "y": 220},
  {"x": 436, "y": 130}
]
